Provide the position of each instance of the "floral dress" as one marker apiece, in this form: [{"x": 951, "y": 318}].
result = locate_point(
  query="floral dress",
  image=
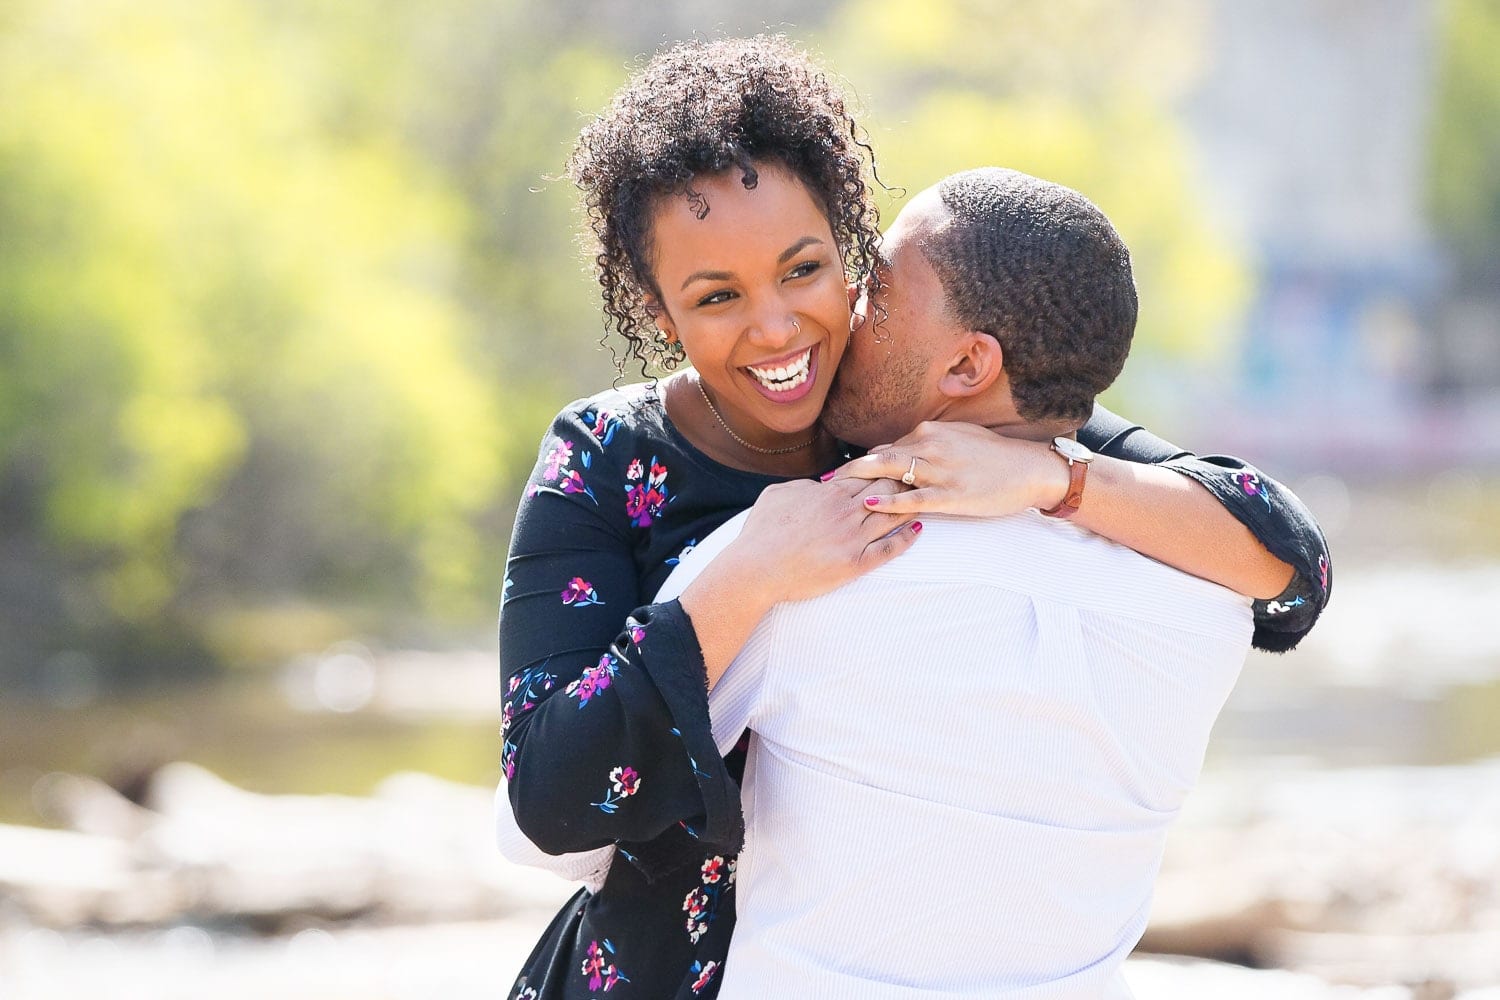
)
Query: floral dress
[{"x": 605, "y": 734}]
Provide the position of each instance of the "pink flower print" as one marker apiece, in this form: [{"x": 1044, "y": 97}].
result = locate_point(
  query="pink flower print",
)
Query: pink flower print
[
  {"x": 635, "y": 506},
  {"x": 644, "y": 501},
  {"x": 636, "y": 631},
  {"x": 580, "y": 593},
  {"x": 555, "y": 470},
  {"x": 508, "y": 759},
  {"x": 602, "y": 424},
  {"x": 1251, "y": 484},
  {"x": 595, "y": 679},
  {"x": 558, "y": 459},
  {"x": 600, "y": 970},
  {"x": 711, "y": 869},
  {"x": 624, "y": 782},
  {"x": 573, "y": 483},
  {"x": 705, "y": 975},
  {"x": 1323, "y": 571},
  {"x": 523, "y": 690},
  {"x": 644, "y": 505}
]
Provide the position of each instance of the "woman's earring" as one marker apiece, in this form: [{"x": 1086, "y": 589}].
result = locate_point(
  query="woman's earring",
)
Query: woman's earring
[
  {"x": 669, "y": 349},
  {"x": 859, "y": 311}
]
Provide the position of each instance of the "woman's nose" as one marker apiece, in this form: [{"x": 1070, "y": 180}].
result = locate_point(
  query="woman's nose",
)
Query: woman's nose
[{"x": 779, "y": 328}]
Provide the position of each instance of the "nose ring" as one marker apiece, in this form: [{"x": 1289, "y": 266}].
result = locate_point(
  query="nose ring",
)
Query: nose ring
[{"x": 796, "y": 327}]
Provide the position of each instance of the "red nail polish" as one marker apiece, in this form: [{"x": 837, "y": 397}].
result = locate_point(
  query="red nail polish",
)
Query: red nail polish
[
  {"x": 827, "y": 475},
  {"x": 916, "y": 527},
  {"x": 872, "y": 501}
]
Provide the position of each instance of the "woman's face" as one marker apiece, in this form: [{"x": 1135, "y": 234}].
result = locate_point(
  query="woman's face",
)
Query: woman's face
[{"x": 754, "y": 291}]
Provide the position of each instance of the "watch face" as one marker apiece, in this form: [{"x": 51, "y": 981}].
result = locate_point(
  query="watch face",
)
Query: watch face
[{"x": 1071, "y": 449}]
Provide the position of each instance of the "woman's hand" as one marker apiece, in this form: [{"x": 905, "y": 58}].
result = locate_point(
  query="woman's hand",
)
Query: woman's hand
[
  {"x": 802, "y": 539},
  {"x": 963, "y": 469}
]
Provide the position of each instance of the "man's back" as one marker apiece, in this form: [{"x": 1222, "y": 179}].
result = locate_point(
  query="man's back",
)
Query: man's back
[{"x": 965, "y": 764}]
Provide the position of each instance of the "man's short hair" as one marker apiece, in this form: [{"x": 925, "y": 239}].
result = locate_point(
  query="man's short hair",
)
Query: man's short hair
[{"x": 1037, "y": 266}]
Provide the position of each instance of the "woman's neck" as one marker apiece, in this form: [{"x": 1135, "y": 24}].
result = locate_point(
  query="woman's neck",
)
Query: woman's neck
[{"x": 695, "y": 418}]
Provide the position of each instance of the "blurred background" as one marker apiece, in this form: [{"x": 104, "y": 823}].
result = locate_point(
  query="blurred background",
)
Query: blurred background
[{"x": 290, "y": 288}]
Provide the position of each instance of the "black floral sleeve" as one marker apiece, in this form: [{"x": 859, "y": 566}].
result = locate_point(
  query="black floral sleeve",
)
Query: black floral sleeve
[
  {"x": 605, "y": 727},
  {"x": 1272, "y": 512}
]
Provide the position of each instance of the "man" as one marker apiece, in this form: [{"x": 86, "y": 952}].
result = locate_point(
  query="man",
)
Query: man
[{"x": 965, "y": 762}]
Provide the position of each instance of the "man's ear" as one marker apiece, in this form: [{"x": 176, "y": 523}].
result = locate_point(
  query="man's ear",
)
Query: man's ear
[
  {"x": 978, "y": 362},
  {"x": 661, "y": 317}
]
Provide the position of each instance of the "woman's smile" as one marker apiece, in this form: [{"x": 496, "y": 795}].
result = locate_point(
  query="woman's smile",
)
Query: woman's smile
[{"x": 789, "y": 378}]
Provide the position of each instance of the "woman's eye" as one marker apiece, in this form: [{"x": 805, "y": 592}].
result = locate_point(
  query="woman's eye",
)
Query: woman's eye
[
  {"x": 804, "y": 269},
  {"x": 716, "y": 298}
]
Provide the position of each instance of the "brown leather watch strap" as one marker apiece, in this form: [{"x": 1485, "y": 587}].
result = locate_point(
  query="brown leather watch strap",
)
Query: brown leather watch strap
[{"x": 1078, "y": 473}]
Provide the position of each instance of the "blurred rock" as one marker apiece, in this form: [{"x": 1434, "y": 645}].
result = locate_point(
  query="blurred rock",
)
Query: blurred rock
[
  {"x": 1371, "y": 876},
  {"x": 459, "y": 961},
  {"x": 1368, "y": 877},
  {"x": 420, "y": 849}
]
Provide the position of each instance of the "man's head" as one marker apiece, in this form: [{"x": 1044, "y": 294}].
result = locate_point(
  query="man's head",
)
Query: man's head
[{"x": 1008, "y": 302}]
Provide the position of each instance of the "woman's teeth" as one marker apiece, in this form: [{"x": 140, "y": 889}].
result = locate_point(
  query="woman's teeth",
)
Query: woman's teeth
[{"x": 785, "y": 378}]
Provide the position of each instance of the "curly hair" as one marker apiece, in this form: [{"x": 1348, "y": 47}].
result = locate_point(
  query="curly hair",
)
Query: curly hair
[
  {"x": 1038, "y": 267},
  {"x": 703, "y": 108}
]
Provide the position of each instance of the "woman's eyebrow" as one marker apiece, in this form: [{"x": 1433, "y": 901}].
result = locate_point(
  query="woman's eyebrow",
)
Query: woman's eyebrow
[
  {"x": 797, "y": 248},
  {"x": 786, "y": 255},
  {"x": 707, "y": 276}
]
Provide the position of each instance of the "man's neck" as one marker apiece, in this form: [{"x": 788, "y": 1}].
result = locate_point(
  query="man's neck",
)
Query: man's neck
[
  {"x": 1010, "y": 424},
  {"x": 1042, "y": 430}
]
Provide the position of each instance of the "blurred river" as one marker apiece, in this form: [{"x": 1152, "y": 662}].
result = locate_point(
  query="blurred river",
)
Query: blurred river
[{"x": 1403, "y": 668}]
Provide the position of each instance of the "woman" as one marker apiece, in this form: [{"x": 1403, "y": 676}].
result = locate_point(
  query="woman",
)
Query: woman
[{"x": 725, "y": 186}]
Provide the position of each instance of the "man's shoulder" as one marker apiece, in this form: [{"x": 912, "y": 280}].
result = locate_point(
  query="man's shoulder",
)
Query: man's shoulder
[{"x": 1055, "y": 560}]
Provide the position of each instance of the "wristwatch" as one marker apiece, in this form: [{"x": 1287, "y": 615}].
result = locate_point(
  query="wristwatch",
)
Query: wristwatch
[{"x": 1078, "y": 458}]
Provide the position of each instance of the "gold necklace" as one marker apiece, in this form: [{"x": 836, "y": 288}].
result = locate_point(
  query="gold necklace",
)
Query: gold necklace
[{"x": 741, "y": 441}]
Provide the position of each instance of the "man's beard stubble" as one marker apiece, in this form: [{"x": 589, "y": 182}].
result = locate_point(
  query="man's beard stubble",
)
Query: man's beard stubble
[{"x": 880, "y": 408}]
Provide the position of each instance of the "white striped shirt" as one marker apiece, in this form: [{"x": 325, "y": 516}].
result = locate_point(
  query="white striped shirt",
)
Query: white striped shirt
[{"x": 965, "y": 763}]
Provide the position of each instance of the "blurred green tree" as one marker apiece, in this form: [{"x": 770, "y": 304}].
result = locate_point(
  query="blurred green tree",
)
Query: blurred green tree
[
  {"x": 1465, "y": 168},
  {"x": 220, "y": 294}
]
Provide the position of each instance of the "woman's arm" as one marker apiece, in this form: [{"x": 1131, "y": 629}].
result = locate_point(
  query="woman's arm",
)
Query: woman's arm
[
  {"x": 1175, "y": 520},
  {"x": 1216, "y": 517},
  {"x": 1272, "y": 513},
  {"x": 605, "y": 730}
]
